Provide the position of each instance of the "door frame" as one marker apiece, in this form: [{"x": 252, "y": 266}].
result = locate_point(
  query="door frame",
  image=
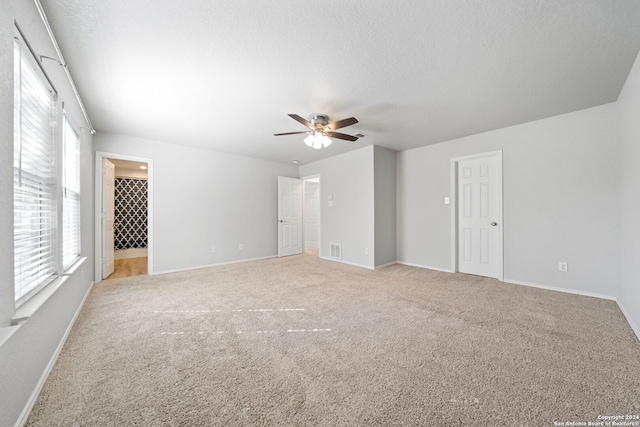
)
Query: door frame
[
  {"x": 306, "y": 178},
  {"x": 98, "y": 209},
  {"x": 454, "y": 209}
]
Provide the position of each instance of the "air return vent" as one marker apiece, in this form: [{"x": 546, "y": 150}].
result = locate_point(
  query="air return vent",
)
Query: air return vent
[{"x": 336, "y": 251}]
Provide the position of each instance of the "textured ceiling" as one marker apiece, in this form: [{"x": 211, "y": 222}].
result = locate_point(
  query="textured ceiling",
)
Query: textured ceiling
[{"x": 224, "y": 74}]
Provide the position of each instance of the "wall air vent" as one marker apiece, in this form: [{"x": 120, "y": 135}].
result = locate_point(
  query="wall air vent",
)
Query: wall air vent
[{"x": 336, "y": 251}]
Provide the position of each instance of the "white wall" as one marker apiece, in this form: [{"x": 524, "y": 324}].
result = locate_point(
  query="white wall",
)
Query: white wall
[
  {"x": 385, "y": 205},
  {"x": 560, "y": 200},
  {"x": 629, "y": 159},
  {"x": 6, "y": 164},
  {"x": 29, "y": 349},
  {"x": 350, "y": 221},
  {"x": 311, "y": 212},
  {"x": 204, "y": 199}
]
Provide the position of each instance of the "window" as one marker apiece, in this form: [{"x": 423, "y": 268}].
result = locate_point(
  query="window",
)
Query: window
[
  {"x": 70, "y": 195},
  {"x": 34, "y": 176}
]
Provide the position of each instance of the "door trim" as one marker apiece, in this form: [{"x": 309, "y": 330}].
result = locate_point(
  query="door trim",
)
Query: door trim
[
  {"x": 454, "y": 209},
  {"x": 98, "y": 208}
]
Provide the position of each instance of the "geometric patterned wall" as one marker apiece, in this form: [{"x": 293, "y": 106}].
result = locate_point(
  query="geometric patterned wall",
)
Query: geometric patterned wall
[{"x": 130, "y": 225}]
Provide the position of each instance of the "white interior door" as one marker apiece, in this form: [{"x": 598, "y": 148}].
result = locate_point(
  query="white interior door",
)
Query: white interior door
[
  {"x": 289, "y": 216},
  {"x": 311, "y": 211},
  {"x": 108, "y": 207},
  {"x": 480, "y": 215}
]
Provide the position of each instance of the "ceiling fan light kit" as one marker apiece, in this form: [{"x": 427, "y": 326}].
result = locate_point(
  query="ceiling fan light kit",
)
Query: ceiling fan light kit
[
  {"x": 317, "y": 140},
  {"x": 321, "y": 131}
]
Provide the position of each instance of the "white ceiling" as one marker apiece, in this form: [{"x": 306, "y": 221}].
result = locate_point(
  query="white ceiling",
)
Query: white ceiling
[
  {"x": 128, "y": 164},
  {"x": 224, "y": 74}
]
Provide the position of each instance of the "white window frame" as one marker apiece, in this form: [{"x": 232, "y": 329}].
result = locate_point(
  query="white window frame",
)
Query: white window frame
[
  {"x": 35, "y": 176},
  {"x": 71, "y": 198}
]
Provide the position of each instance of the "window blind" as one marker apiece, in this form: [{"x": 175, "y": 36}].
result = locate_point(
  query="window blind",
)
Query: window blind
[
  {"x": 34, "y": 178},
  {"x": 70, "y": 195}
]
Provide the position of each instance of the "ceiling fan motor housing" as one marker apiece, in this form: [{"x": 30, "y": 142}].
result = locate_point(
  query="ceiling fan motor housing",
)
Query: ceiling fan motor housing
[{"x": 319, "y": 120}]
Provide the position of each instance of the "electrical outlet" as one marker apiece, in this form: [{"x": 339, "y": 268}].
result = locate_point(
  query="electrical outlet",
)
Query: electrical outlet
[
  {"x": 213, "y": 249},
  {"x": 366, "y": 251},
  {"x": 241, "y": 247},
  {"x": 563, "y": 266}
]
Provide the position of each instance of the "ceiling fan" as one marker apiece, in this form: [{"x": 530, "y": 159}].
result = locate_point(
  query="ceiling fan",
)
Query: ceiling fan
[{"x": 321, "y": 130}]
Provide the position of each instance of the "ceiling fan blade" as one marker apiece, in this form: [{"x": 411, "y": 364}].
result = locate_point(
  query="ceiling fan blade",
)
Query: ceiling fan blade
[
  {"x": 341, "y": 136},
  {"x": 342, "y": 123},
  {"x": 301, "y": 120},
  {"x": 289, "y": 133}
]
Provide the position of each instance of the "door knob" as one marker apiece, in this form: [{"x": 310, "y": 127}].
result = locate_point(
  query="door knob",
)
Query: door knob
[
  {"x": 282, "y": 220},
  {"x": 493, "y": 224}
]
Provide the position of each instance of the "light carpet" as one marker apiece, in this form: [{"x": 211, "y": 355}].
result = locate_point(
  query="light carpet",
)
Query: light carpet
[{"x": 304, "y": 341}]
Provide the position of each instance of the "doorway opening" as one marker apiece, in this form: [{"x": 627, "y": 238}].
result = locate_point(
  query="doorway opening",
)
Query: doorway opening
[
  {"x": 123, "y": 216},
  {"x": 311, "y": 214}
]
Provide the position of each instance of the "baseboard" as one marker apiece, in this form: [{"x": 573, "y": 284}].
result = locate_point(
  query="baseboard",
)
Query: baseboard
[
  {"x": 565, "y": 290},
  {"x": 22, "y": 419},
  {"x": 348, "y": 263},
  {"x": 425, "y": 266},
  {"x": 634, "y": 326},
  {"x": 179, "y": 270},
  {"x": 386, "y": 265}
]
